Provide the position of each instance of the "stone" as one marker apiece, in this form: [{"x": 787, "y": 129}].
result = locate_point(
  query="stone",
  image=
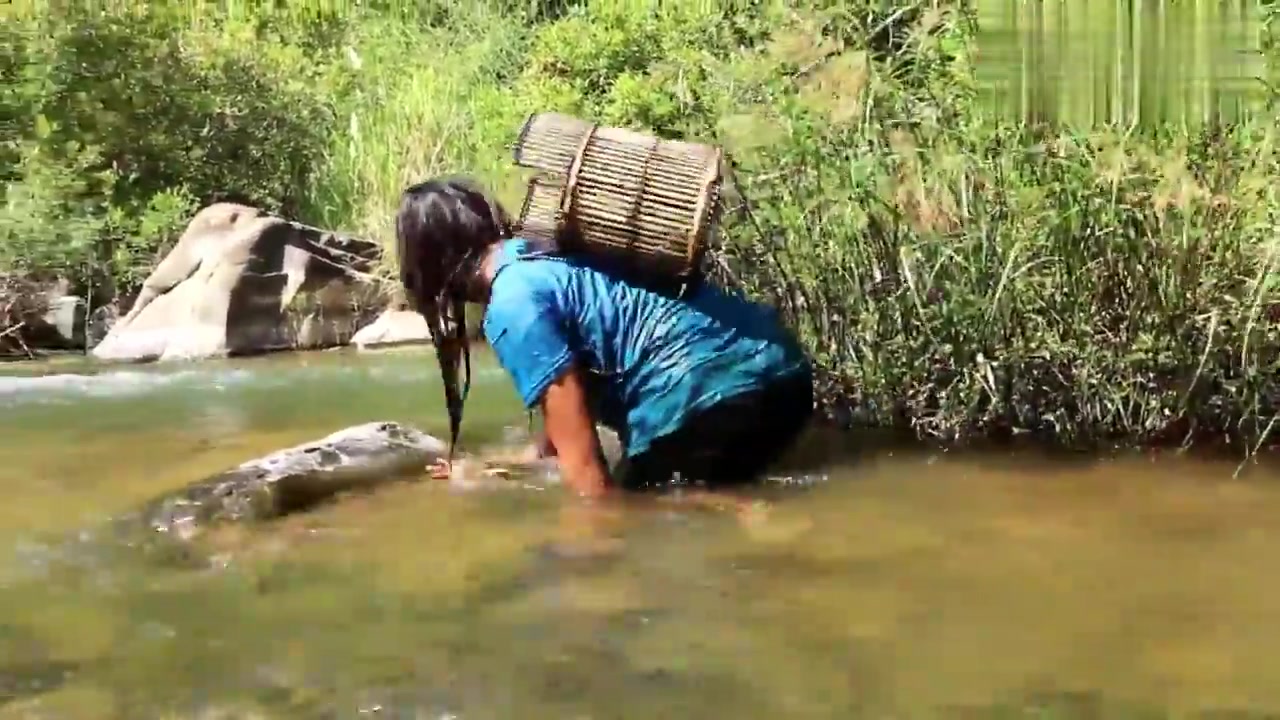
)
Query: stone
[
  {"x": 291, "y": 480},
  {"x": 392, "y": 328},
  {"x": 67, "y": 316},
  {"x": 41, "y": 315},
  {"x": 62, "y": 324},
  {"x": 101, "y": 320},
  {"x": 172, "y": 530},
  {"x": 242, "y": 282}
]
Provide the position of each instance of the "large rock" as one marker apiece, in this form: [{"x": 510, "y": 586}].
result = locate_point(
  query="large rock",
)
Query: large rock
[
  {"x": 241, "y": 282},
  {"x": 296, "y": 478}
]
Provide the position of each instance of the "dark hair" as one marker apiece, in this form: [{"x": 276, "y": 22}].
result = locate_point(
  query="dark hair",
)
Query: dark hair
[{"x": 443, "y": 228}]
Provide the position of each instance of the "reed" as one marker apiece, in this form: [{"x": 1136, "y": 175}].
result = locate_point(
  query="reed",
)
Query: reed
[{"x": 965, "y": 277}]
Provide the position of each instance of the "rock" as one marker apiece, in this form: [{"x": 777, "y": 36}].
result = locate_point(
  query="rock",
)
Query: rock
[
  {"x": 240, "y": 282},
  {"x": 42, "y": 315},
  {"x": 101, "y": 320},
  {"x": 611, "y": 446},
  {"x": 393, "y": 327},
  {"x": 296, "y": 478},
  {"x": 170, "y": 529},
  {"x": 65, "y": 318}
]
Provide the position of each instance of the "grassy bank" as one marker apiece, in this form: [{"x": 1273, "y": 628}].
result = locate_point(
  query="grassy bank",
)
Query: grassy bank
[{"x": 955, "y": 273}]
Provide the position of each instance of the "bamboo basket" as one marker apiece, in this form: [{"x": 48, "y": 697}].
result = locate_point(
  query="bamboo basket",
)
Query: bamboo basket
[
  {"x": 643, "y": 204},
  {"x": 540, "y": 217},
  {"x": 550, "y": 141}
]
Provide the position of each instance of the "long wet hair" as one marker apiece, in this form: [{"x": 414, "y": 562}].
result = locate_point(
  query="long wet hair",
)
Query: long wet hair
[{"x": 443, "y": 228}]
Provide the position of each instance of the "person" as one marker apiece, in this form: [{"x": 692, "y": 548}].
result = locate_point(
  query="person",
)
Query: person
[{"x": 709, "y": 390}]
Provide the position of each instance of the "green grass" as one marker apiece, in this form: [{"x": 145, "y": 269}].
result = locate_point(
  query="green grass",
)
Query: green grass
[
  {"x": 957, "y": 273},
  {"x": 421, "y": 104}
]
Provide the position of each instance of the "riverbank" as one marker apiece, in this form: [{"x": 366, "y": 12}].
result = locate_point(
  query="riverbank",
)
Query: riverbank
[{"x": 958, "y": 276}]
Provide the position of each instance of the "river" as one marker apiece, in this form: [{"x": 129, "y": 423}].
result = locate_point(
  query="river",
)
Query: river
[{"x": 906, "y": 585}]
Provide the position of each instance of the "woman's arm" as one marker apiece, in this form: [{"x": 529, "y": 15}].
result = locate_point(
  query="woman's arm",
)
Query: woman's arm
[{"x": 571, "y": 431}]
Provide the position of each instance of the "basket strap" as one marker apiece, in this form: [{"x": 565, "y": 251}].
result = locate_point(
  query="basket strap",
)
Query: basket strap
[
  {"x": 571, "y": 181},
  {"x": 703, "y": 212},
  {"x": 634, "y": 212},
  {"x": 517, "y": 150}
]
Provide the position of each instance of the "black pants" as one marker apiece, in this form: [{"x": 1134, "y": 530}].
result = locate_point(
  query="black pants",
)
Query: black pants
[{"x": 732, "y": 442}]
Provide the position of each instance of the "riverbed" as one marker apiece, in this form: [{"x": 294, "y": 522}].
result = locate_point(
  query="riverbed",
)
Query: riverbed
[{"x": 896, "y": 584}]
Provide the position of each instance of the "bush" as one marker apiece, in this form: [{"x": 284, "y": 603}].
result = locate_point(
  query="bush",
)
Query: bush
[{"x": 120, "y": 124}]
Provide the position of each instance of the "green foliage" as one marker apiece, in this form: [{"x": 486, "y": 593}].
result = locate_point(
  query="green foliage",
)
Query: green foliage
[
  {"x": 121, "y": 123},
  {"x": 654, "y": 68},
  {"x": 953, "y": 275}
]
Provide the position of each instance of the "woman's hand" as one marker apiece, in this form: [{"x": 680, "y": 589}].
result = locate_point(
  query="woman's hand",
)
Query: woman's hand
[
  {"x": 571, "y": 433},
  {"x": 440, "y": 470}
]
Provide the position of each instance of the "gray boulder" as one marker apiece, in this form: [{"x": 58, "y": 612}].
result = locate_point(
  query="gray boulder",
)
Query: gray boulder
[{"x": 240, "y": 282}]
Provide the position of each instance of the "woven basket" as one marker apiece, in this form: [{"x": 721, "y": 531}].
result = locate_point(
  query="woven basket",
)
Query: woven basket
[
  {"x": 540, "y": 217},
  {"x": 647, "y": 205}
]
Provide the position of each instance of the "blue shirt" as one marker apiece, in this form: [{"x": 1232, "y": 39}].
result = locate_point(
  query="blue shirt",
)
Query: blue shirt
[{"x": 651, "y": 360}]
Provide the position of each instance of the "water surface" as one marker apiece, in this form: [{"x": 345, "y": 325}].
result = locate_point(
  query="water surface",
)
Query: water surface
[{"x": 914, "y": 585}]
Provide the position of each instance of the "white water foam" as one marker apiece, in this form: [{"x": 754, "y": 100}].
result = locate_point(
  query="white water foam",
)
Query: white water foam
[
  {"x": 124, "y": 383},
  {"x": 70, "y": 387}
]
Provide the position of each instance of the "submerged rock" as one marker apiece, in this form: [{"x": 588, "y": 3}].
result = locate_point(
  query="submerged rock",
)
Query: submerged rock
[
  {"x": 26, "y": 679},
  {"x": 26, "y": 670},
  {"x": 296, "y": 478}
]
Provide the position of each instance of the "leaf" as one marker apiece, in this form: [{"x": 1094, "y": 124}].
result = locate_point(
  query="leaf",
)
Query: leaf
[{"x": 43, "y": 127}]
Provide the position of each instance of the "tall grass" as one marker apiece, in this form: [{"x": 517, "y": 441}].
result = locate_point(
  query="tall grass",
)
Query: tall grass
[
  {"x": 1082, "y": 288},
  {"x": 421, "y": 103},
  {"x": 965, "y": 276}
]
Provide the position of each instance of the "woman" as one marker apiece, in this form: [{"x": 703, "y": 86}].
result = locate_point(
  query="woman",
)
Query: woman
[{"x": 709, "y": 389}]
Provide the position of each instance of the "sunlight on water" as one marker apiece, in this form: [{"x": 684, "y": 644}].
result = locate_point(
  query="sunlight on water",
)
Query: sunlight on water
[
  {"x": 904, "y": 585},
  {"x": 1122, "y": 61}
]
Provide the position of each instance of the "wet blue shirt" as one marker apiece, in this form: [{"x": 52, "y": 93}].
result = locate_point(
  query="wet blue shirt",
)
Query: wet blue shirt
[{"x": 651, "y": 360}]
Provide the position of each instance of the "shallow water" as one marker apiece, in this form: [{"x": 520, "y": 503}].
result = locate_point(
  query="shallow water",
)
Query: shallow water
[{"x": 912, "y": 585}]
